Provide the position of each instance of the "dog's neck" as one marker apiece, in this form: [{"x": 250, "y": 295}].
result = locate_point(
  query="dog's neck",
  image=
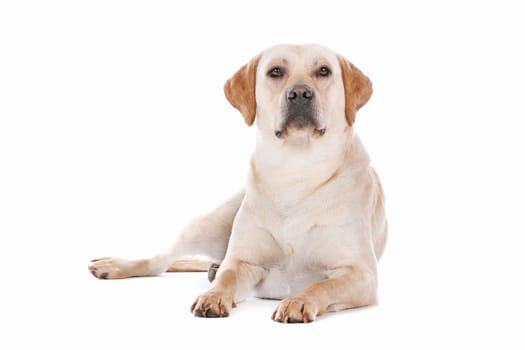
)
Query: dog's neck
[{"x": 292, "y": 168}]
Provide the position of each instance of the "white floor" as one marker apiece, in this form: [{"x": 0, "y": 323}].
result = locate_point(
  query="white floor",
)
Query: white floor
[{"x": 71, "y": 309}]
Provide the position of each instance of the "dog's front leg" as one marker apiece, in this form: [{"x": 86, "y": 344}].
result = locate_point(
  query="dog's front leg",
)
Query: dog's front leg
[
  {"x": 346, "y": 287},
  {"x": 250, "y": 250},
  {"x": 233, "y": 283}
]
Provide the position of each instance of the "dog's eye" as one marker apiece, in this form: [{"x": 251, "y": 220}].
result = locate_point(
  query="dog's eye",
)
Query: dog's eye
[
  {"x": 323, "y": 71},
  {"x": 275, "y": 72}
]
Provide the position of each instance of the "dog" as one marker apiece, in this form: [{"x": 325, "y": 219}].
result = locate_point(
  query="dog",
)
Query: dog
[{"x": 309, "y": 226}]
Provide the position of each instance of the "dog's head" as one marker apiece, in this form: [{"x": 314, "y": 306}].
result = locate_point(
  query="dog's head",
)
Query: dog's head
[{"x": 298, "y": 89}]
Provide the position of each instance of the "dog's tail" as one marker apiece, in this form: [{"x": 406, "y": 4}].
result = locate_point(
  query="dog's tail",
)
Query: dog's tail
[{"x": 191, "y": 264}]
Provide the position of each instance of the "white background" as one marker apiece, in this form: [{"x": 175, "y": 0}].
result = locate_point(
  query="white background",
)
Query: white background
[{"x": 114, "y": 132}]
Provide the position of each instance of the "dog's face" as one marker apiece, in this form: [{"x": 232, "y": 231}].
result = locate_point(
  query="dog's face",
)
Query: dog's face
[{"x": 305, "y": 90}]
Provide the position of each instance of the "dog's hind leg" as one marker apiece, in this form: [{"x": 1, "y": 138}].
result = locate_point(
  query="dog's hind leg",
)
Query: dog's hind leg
[{"x": 206, "y": 236}]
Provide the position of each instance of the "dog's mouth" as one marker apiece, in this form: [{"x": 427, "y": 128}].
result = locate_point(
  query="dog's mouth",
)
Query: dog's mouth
[
  {"x": 300, "y": 123},
  {"x": 316, "y": 132}
]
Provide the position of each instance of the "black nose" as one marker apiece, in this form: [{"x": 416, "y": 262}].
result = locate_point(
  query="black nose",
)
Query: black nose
[{"x": 299, "y": 94}]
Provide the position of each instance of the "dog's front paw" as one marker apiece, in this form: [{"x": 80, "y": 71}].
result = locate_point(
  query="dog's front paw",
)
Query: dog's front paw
[
  {"x": 213, "y": 304},
  {"x": 295, "y": 310},
  {"x": 109, "y": 268}
]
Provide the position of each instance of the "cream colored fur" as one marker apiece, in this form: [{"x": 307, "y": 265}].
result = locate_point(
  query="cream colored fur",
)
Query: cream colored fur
[{"x": 309, "y": 226}]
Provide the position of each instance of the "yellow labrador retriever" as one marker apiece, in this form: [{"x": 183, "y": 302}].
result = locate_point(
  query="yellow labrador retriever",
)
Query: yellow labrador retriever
[{"x": 309, "y": 226}]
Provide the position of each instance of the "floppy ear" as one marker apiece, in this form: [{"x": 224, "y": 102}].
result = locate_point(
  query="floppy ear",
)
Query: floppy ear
[
  {"x": 240, "y": 90},
  {"x": 358, "y": 89}
]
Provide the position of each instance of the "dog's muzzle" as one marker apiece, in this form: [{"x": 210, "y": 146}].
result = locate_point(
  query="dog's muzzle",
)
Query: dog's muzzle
[{"x": 300, "y": 109}]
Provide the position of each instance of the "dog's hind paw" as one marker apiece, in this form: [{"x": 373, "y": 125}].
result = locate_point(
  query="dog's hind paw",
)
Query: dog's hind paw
[{"x": 109, "y": 268}]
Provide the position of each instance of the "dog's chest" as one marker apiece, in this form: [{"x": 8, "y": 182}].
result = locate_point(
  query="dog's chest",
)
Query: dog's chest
[
  {"x": 299, "y": 264},
  {"x": 301, "y": 226}
]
